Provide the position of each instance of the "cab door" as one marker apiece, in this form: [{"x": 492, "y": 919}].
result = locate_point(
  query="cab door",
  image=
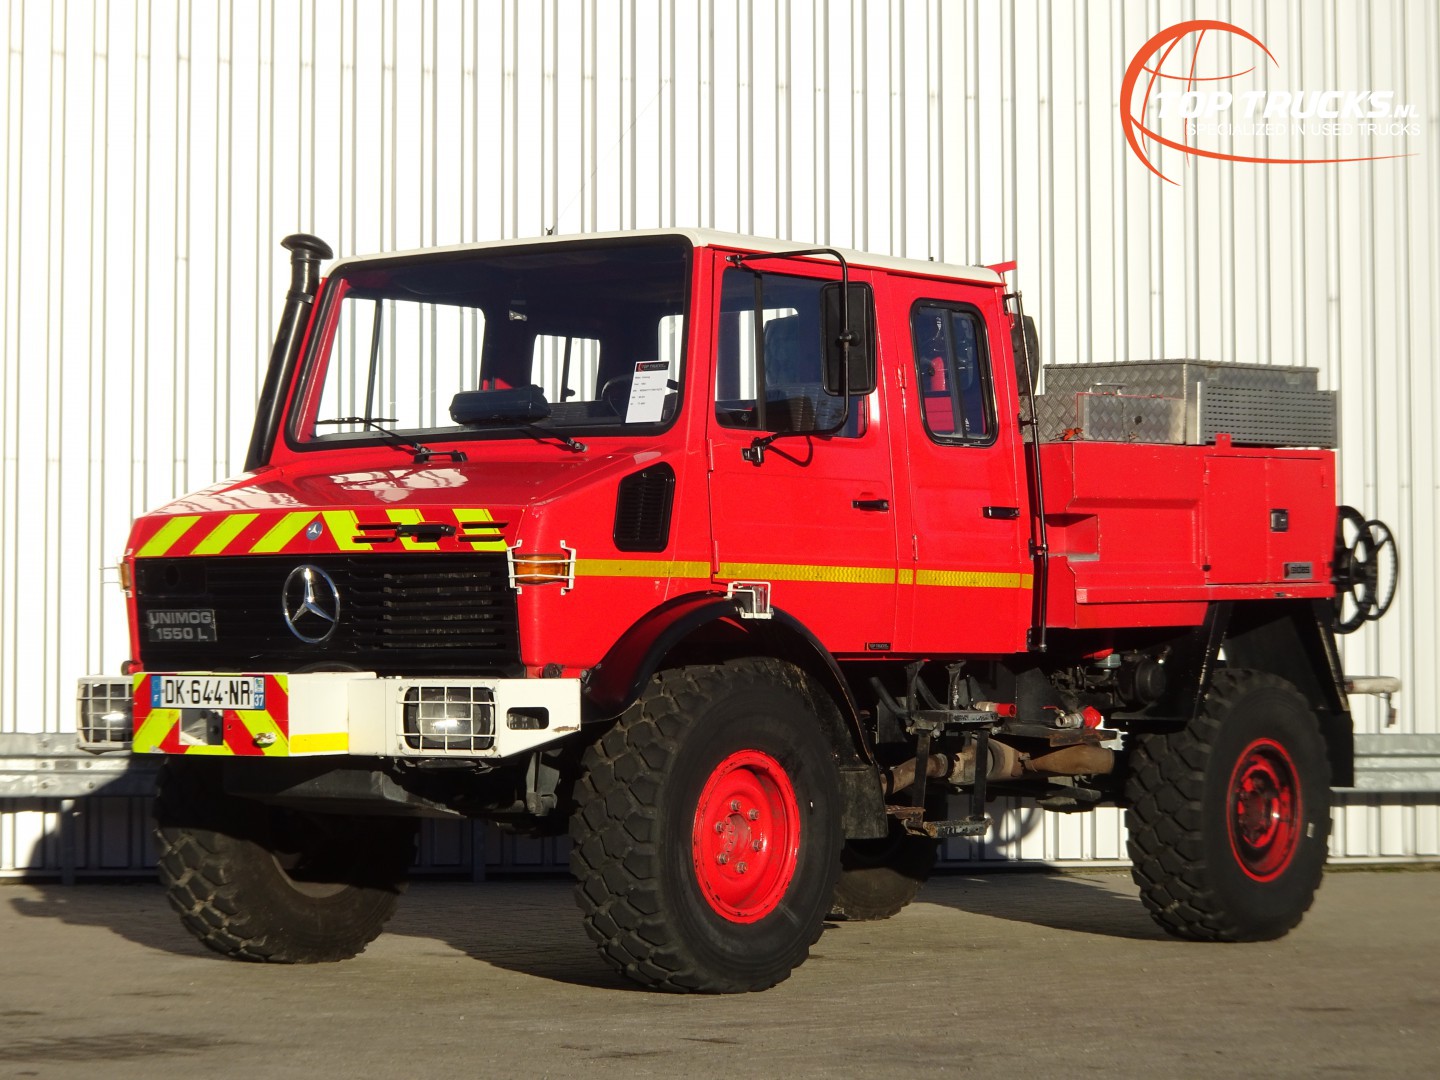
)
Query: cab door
[
  {"x": 811, "y": 515},
  {"x": 966, "y": 525}
]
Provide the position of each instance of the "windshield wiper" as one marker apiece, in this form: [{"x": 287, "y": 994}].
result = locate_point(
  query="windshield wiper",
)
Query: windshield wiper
[
  {"x": 573, "y": 445},
  {"x": 418, "y": 450},
  {"x": 519, "y": 407}
]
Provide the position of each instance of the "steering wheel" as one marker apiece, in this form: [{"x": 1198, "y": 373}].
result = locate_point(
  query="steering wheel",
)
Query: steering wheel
[
  {"x": 1366, "y": 570},
  {"x": 616, "y": 393}
]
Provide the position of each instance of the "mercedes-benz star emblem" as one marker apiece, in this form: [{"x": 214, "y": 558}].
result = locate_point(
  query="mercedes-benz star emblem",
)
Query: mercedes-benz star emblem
[{"x": 311, "y": 603}]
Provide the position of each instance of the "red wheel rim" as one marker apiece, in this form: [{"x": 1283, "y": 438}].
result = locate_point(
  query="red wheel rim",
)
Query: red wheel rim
[
  {"x": 747, "y": 836},
  {"x": 1264, "y": 810}
]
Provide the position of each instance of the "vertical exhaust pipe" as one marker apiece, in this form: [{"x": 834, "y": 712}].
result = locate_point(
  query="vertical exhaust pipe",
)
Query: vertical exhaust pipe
[{"x": 306, "y": 254}]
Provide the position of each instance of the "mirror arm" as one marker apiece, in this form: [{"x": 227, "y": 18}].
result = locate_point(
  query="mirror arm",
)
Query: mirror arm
[
  {"x": 755, "y": 452},
  {"x": 760, "y": 352}
]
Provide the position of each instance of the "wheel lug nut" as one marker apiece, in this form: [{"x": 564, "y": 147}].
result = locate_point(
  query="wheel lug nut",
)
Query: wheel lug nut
[
  {"x": 722, "y": 859},
  {"x": 719, "y": 826},
  {"x": 740, "y": 868},
  {"x": 756, "y": 845},
  {"x": 734, "y": 804},
  {"x": 754, "y": 815}
]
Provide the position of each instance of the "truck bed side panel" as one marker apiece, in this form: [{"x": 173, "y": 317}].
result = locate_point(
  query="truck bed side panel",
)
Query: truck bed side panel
[{"x": 1146, "y": 535}]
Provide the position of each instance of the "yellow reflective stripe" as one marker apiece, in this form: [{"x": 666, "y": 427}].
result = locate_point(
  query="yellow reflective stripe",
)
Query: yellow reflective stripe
[
  {"x": 875, "y": 575},
  {"x": 646, "y": 568},
  {"x": 153, "y": 731},
  {"x": 851, "y": 575},
  {"x": 412, "y": 517},
  {"x": 329, "y": 742},
  {"x": 167, "y": 537},
  {"x": 282, "y": 532},
  {"x": 219, "y": 537},
  {"x": 973, "y": 579},
  {"x": 262, "y": 723},
  {"x": 468, "y": 519},
  {"x": 344, "y": 529}
]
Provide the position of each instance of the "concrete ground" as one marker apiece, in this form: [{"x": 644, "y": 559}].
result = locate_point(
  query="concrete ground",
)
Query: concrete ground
[{"x": 998, "y": 975}]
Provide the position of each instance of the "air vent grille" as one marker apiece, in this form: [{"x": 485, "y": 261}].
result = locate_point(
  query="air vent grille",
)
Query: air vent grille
[{"x": 642, "y": 509}]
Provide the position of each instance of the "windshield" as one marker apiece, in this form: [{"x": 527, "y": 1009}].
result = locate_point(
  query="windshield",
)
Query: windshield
[{"x": 557, "y": 339}]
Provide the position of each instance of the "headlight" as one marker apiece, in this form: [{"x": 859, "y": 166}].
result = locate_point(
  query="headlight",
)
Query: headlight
[
  {"x": 449, "y": 718},
  {"x": 105, "y": 714}
]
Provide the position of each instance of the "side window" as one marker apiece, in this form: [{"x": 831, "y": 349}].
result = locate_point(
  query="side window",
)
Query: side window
[
  {"x": 795, "y": 397},
  {"x": 952, "y": 364}
]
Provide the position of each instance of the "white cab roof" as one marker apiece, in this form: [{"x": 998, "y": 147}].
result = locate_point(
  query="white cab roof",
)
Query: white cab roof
[{"x": 714, "y": 238}]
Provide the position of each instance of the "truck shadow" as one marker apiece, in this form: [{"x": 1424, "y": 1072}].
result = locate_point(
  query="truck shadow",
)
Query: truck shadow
[
  {"x": 532, "y": 927},
  {"x": 136, "y": 911},
  {"x": 1092, "y": 902},
  {"x": 529, "y": 926}
]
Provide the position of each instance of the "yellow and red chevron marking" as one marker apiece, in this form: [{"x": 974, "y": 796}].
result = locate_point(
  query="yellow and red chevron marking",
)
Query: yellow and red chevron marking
[
  {"x": 312, "y": 532},
  {"x": 247, "y": 733}
]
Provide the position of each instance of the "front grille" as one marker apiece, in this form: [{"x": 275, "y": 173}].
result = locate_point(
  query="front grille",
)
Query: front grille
[{"x": 400, "y": 614}]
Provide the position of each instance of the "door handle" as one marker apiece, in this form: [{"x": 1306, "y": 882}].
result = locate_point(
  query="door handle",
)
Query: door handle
[
  {"x": 1002, "y": 513},
  {"x": 870, "y": 504}
]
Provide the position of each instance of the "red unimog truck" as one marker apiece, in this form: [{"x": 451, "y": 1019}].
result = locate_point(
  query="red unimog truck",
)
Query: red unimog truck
[{"x": 760, "y": 570}]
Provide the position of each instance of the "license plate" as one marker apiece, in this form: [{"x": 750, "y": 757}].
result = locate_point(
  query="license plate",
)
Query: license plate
[
  {"x": 239, "y": 693},
  {"x": 181, "y": 624}
]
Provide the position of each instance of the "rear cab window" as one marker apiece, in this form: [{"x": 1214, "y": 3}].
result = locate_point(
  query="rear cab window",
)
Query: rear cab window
[{"x": 952, "y": 367}]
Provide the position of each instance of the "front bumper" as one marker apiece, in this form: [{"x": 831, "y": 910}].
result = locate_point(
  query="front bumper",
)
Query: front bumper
[{"x": 325, "y": 713}]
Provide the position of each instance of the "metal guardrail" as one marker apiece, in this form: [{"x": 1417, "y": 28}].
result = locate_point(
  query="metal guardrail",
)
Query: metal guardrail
[
  {"x": 1396, "y": 764},
  {"x": 48, "y": 766}
]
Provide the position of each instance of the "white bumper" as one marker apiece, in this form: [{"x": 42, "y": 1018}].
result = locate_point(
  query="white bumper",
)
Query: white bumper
[{"x": 323, "y": 713}]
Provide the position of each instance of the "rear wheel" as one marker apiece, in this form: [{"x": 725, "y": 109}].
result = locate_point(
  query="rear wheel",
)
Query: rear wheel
[
  {"x": 1229, "y": 819},
  {"x": 255, "y": 882},
  {"x": 880, "y": 877},
  {"x": 706, "y": 835}
]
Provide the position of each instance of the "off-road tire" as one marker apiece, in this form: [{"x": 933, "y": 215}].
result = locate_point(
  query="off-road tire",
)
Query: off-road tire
[
  {"x": 1229, "y": 818},
  {"x": 878, "y": 878},
  {"x": 656, "y": 809},
  {"x": 258, "y": 883}
]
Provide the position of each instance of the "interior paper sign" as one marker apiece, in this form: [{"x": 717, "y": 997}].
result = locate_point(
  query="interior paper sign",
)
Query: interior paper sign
[{"x": 648, "y": 391}]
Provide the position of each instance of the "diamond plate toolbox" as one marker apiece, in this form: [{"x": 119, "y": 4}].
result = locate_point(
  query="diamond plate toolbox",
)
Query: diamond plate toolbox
[{"x": 1186, "y": 401}]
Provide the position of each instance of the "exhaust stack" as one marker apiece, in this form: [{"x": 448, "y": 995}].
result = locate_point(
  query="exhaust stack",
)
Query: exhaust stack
[{"x": 306, "y": 254}]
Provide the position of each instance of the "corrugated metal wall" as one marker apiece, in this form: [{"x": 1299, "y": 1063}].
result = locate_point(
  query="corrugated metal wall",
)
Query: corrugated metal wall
[{"x": 155, "y": 152}]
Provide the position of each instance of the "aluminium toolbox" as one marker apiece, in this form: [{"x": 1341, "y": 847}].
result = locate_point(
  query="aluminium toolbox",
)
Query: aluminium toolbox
[{"x": 1186, "y": 401}]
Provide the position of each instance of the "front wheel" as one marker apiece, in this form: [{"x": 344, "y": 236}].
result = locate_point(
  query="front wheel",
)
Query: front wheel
[
  {"x": 1229, "y": 818},
  {"x": 706, "y": 834},
  {"x": 254, "y": 882}
]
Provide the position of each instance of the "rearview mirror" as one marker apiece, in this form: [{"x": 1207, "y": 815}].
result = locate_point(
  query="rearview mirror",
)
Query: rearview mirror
[
  {"x": 1025, "y": 343},
  {"x": 859, "y": 311}
]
